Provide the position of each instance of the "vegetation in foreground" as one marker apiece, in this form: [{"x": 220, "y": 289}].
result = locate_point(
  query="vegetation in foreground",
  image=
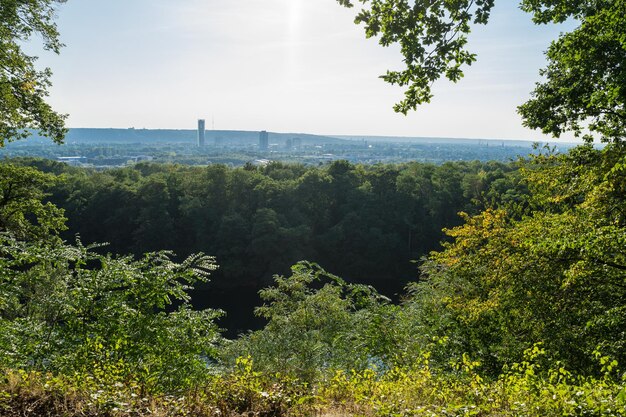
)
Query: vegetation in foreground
[
  {"x": 523, "y": 390},
  {"x": 522, "y": 313}
]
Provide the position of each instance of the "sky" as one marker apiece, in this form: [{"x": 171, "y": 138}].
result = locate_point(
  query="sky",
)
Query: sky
[{"x": 278, "y": 65}]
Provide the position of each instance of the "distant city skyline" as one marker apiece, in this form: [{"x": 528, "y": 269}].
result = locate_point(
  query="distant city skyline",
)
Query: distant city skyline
[{"x": 278, "y": 65}]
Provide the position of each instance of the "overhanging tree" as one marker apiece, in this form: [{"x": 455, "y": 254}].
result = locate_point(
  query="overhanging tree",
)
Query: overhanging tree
[
  {"x": 432, "y": 36},
  {"x": 23, "y": 87},
  {"x": 585, "y": 81},
  {"x": 584, "y": 89}
]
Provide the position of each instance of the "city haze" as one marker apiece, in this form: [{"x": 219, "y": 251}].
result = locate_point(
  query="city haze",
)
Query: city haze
[{"x": 280, "y": 65}]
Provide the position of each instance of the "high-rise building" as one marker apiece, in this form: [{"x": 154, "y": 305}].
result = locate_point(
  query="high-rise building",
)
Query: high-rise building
[
  {"x": 263, "y": 140},
  {"x": 201, "y": 132}
]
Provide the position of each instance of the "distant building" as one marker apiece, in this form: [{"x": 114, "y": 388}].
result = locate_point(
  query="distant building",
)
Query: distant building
[
  {"x": 288, "y": 144},
  {"x": 297, "y": 143},
  {"x": 201, "y": 132},
  {"x": 264, "y": 142}
]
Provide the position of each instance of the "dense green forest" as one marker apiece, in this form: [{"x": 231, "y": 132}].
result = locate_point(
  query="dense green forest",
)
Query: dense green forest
[
  {"x": 520, "y": 312},
  {"x": 524, "y": 304},
  {"x": 365, "y": 223}
]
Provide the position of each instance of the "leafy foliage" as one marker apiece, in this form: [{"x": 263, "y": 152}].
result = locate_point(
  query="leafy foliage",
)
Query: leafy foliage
[
  {"x": 316, "y": 322},
  {"x": 363, "y": 223},
  {"x": 584, "y": 87},
  {"x": 23, "y": 88},
  {"x": 532, "y": 286},
  {"x": 432, "y": 36},
  {"x": 23, "y": 211},
  {"x": 556, "y": 275},
  {"x": 547, "y": 266},
  {"x": 66, "y": 309},
  {"x": 524, "y": 389}
]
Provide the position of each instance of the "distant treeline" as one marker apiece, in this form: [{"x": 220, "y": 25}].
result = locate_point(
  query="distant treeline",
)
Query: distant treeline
[{"x": 367, "y": 224}]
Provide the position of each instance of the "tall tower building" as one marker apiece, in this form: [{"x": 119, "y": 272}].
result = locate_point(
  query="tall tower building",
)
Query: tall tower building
[
  {"x": 263, "y": 140},
  {"x": 201, "y": 132}
]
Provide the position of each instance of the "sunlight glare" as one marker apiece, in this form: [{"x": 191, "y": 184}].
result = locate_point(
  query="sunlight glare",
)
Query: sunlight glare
[{"x": 293, "y": 38}]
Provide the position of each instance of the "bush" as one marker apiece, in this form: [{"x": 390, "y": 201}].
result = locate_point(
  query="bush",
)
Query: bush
[
  {"x": 67, "y": 309},
  {"x": 316, "y": 322}
]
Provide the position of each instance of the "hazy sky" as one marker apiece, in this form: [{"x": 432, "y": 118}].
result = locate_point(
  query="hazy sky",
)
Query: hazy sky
[{"x": 278, "y": 65}]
